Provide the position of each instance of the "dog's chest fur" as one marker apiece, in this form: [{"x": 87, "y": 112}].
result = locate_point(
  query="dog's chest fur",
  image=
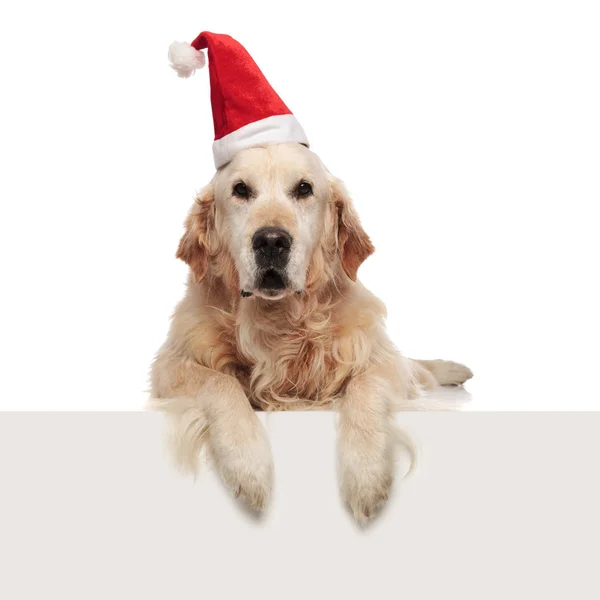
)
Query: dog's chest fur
[
  {"x": 288, "y": 358},
  {"x": 288, "y": 355}
]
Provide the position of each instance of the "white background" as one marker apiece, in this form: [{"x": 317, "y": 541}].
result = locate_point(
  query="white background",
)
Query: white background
[{"x": 468, "y": 133}]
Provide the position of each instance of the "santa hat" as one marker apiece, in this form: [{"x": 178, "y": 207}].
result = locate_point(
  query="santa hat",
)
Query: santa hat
[{"x": 246, "y": 109}]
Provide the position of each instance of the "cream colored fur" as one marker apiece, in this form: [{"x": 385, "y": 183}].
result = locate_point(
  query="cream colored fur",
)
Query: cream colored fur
[{"x": 324, "y": 348}]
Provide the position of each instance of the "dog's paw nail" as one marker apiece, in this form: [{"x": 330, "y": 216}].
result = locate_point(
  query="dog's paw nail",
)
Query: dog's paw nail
[
  {"x": 367, "y": 496},
  {"x": 254, "y": 494},
  {"x": 247, "y": 470},
  {"x": 368, "y": 506}
]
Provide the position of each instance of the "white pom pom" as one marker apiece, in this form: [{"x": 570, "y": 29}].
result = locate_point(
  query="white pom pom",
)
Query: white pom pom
[{"x": 185, "y": 59}]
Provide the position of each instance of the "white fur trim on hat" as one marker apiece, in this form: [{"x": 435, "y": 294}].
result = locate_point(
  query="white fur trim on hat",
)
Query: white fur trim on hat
[
  {"x": 272, "y": 130},
  {"x": 185, "y": 59}
]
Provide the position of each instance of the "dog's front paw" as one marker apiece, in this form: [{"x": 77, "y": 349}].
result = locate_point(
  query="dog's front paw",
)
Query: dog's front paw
[
  {"x": 246, "y": 467},
  {"x": 366, "y": 479}
]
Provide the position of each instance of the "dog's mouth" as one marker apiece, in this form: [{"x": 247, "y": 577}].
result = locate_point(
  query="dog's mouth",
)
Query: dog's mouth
[
  {"x": 271, "y": 283},
  {"x": 272, "y": 280}
]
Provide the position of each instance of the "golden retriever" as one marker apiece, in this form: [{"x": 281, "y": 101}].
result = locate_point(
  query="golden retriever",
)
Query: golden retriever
[{"x": 274, "y": 318}]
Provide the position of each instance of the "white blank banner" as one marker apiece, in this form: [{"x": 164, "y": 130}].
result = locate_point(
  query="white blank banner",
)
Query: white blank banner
[{"x": 502, "y": 505}]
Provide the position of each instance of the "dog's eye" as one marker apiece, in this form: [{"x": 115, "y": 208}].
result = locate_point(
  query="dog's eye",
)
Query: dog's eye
[
  {"x": 241, "y": 190},
  {"x": 304, "y": 189}
]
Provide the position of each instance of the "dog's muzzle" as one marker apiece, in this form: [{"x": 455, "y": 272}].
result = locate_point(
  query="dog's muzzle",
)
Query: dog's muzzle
[{"x": 271, "y": 247}]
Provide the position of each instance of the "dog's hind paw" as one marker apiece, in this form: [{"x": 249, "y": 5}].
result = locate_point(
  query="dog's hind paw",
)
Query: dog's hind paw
[{"x": 447, "y": 372}]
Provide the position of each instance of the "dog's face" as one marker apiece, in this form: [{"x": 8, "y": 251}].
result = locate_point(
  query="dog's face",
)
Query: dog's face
[
  {"x": 273, "y": 202},
  {"x": 274, "y": 221}
]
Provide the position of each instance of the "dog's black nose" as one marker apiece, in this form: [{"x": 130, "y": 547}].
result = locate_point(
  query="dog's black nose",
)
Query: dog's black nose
[{"x": 272, "y": 243}]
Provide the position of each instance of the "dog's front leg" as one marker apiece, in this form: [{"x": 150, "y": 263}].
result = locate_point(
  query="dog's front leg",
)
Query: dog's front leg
[
  {"x": 212, "y": 408},
  {"x": 238, "y": 441},
  {"x": 366, "y": 444}
]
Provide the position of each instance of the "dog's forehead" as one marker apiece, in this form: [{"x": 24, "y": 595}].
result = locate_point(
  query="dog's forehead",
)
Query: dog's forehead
[{"x": 275, "y": 160}]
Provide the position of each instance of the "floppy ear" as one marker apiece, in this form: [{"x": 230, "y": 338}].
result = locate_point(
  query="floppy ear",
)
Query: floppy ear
[
  {"x": 193, "y": 247},
  {"x": 354, "y": 244}
]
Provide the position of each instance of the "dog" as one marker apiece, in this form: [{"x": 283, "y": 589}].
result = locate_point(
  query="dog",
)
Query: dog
[{"x": 274, "y": 318}]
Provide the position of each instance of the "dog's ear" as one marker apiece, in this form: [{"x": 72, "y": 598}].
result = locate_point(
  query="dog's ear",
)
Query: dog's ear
[
  {"x": 354, "y": 244},
  {"x": 193, "y": 247}
]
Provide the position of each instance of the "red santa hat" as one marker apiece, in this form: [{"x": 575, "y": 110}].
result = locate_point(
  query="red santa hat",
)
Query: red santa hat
[{"x": 246, "y": 109}]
